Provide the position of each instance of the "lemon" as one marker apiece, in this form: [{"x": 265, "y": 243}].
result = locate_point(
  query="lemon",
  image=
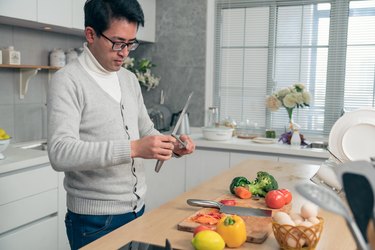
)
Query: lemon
[
  {"x": 208, "y": 240},
  {"x": 4, "y": 137},
  {"x": 2, "y": 132}
]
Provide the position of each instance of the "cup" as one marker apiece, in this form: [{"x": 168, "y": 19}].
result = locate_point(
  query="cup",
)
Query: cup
[{"x": 270, "y": 133}]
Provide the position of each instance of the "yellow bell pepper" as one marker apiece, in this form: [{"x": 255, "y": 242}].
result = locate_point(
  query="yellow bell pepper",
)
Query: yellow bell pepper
[{"x": 232, "y": 229}]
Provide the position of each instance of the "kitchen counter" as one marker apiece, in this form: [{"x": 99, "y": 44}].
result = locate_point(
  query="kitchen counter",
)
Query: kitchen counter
[
  {"x": 248, "y": 145},
  {"x": 161, "y": 223},
  {"x": 19, "y": 158}
]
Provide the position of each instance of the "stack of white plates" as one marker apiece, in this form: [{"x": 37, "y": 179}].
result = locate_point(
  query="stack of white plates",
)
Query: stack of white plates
[{"x": 352, "y": 137}]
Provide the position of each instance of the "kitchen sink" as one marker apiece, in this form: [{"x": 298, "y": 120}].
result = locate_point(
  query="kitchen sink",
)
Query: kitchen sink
[
  {"x": 37, "y": 146},
  {"x": 317, "y": 144}
]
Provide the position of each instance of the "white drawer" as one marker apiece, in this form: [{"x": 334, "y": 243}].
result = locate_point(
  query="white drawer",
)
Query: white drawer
[
  {"x": 18, "y": 185},
  {"x": 41, "y": 235},
  {"x": 24, "y": 211}
]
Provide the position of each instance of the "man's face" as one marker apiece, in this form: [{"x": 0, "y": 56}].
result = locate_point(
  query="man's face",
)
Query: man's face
[{"x": 120, "y": 30}]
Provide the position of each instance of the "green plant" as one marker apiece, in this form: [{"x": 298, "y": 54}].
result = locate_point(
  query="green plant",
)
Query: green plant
[{"x": 142, "y": 69}]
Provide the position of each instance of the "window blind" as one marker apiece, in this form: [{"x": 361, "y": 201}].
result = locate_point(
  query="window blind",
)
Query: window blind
[{"x": 263, "y": 46}]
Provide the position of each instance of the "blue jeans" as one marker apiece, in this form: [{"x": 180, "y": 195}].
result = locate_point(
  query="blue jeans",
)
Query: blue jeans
[{"x": 82, "y": 229}]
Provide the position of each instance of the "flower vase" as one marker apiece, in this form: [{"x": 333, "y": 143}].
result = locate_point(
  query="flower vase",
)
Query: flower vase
[
  {"x": 295, "y": 141},
  {"x": 290, "y": 115}
]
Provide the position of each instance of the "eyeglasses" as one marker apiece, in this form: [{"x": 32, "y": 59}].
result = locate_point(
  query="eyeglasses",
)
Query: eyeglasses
[{"x": 118, "y": 46}]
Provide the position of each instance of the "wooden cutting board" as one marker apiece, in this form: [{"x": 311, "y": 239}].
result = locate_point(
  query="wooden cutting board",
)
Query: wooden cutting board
[{"x": 257, "y": 228}]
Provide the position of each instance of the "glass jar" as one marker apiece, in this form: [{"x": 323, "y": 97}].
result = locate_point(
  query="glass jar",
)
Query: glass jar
[
  {"x": 57, "y": 58},
  {"x": 213, "y": 117},
  {"x": 71, "y": 55}
]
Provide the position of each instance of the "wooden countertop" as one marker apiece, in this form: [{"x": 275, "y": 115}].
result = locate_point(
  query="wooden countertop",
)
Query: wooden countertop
[{"x": 161, "y": 223}]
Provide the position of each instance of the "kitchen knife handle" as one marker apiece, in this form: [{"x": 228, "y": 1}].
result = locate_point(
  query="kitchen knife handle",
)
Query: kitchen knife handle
[
  {"x": 159, "y": 163},
  {"x": 203, "y": 203}
]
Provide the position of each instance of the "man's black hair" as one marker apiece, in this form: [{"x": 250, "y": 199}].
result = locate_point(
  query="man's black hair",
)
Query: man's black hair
[{"x": 99, "y": 13}]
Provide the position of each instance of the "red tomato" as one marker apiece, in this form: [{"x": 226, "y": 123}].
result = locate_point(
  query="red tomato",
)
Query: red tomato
[
  {"x": 287, "y": 195},
  {"x": 275, "y": 199},
  {"x": 200, "y": 228},
  {"x": 228, "y": 202}
]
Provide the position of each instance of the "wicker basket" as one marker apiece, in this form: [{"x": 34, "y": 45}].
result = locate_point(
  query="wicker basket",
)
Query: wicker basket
[{"x": 298, "y": 237}]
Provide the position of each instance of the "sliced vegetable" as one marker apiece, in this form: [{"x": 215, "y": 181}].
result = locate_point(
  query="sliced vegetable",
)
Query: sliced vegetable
[
  {"x": 232, "y": 229},
  {"x": 210, "y": 218},
  {"x": 242, "y": 193},
  {"x": 275, "y": 199},
  {"x": 228, "y": 202},
  {"x": 238, "y": 181}
]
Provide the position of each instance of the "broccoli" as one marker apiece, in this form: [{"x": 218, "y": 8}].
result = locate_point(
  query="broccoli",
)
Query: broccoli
[
  {"x": 263, "y": 183},
  {"x": 239, "y": 181}
]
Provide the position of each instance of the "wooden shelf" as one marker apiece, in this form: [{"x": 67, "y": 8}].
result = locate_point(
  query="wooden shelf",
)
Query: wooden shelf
[
  {"x": 13, "y": 66},
  {"x": 26, "y": 73}
]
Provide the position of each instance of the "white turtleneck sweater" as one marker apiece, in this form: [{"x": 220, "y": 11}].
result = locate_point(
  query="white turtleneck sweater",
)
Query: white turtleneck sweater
[{"x": 107, "y": 80}]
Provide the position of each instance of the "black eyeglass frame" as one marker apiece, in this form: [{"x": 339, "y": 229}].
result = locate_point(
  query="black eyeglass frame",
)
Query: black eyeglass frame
[{"x": 122, "y": 45}]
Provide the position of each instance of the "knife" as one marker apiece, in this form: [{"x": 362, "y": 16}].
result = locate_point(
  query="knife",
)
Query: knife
[
  {"x": 159, "y": 163},
  {"x": 243, "y": 211}
]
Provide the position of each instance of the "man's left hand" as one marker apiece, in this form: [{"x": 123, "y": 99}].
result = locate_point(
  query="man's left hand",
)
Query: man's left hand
[{"x": 190, "y": 146}]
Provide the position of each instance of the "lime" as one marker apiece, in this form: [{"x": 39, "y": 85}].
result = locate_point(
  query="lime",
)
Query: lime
[{"x": 208, "y": 240}]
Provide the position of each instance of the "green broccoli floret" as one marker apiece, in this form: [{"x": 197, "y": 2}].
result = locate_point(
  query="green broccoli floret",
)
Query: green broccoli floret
[
  {"x": 263, "y": 184},
  {"x": 238, "y": 181}
]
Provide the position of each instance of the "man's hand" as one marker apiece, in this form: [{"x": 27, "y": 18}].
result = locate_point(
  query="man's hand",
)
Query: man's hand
[
  {"x": 190, "y": 146},
  {"x": 158, "y": 147}
]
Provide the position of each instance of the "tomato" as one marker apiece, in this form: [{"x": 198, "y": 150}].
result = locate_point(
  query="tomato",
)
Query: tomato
[
  {"x": 228, "y": 202},
  {"x": 200, "y": 228},
  {"x": 287, "y": 195},
  {"x": 275, "y": 199}
]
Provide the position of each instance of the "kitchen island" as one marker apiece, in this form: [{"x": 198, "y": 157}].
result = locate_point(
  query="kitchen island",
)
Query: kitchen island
[{"x": 161, "y": 223}]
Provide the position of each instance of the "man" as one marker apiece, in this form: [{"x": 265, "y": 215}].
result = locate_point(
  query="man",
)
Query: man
[{"x": 99, "y": 129}]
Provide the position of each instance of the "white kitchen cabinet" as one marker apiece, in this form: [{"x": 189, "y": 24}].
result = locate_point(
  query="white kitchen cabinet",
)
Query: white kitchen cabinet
[
  {"x": 39, "y": 235},
  {"x": 63, "y": 242},
  {"x": 205, "y": 164},
  {"x": 236, "y": 158},
  {"x": 55, "y": 12},
  {"x": 65, "y": 16},
  {"x": 165, "y": 185},
  {"x": 305, "y": 160},
  {"x": 29, "y": 208},
  {"x": 147, "y": 33},
  {"x": 20, "y": 9},
  {"x": 78, "y": 15}
]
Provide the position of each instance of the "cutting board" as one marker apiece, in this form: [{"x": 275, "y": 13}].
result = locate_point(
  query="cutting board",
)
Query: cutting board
[{"x": 257, "y": 228}]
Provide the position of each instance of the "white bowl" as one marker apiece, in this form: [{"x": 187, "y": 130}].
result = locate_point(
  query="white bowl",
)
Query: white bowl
[
  {"x": 217, "y": 134},
  {"x": 3, "y": 145}
]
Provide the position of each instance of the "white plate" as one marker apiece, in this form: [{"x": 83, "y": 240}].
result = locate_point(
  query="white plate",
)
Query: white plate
[
  {"x": 263, "y": 140},
  {"x": 358, "y": 142},
  {"x": 352, "y": 125}
]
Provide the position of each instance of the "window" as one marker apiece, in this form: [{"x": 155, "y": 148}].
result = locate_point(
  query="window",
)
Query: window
[{"x": 263, "y": 46}]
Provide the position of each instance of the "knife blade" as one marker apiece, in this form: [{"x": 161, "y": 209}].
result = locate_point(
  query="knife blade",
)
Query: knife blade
[
  {"x": 243, "y": 211},
  {"x": 159, "y": 163}
]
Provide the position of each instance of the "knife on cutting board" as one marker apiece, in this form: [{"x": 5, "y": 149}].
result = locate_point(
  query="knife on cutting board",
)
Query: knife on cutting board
[
  {"x": 243, "y": 211},
  {"x": 159, "y": 163}
]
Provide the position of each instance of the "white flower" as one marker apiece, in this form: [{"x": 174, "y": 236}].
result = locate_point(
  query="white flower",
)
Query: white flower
[
  {"x": 128, "y": 63},
  {"x": 142, "y": 69},
  {"x": 283, "y": 92},
  {"x": 290, "y": 101},
  {"x": 289, "y": 97},
  {"x": 273, "y": 103},
  {"x": 306, "y": 98}
]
